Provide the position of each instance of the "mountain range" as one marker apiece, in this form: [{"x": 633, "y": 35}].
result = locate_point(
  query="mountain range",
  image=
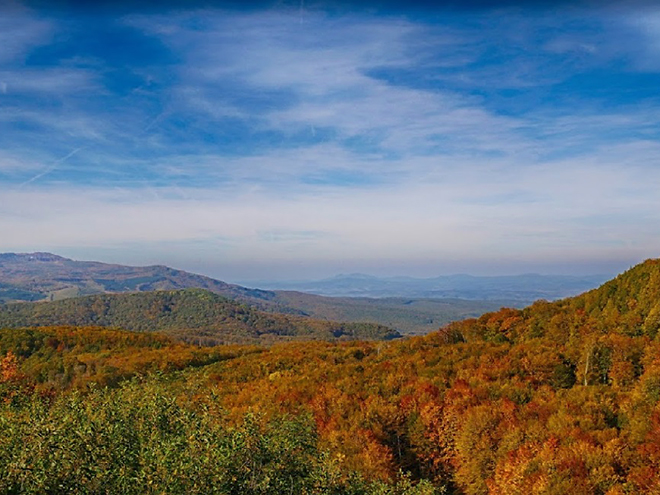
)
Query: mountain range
[
  {"x": 48, "y": 277},
  {"x": 523, "y": 288}
]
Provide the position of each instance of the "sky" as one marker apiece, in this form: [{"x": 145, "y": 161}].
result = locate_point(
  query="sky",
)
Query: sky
[{"x": 294, "y": 140}]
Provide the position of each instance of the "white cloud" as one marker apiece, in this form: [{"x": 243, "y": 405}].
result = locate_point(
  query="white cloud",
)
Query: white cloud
[
  {"x": 47, "y": 82},
  {"x": 323, "y": 67},
  {"x": 643, "y": 31},
  {"x": 20, "y": 31},
  {"x": 567, "y": 208},
  {"x": 12, "y": 165},
  {"x": 403, "y": 172}
]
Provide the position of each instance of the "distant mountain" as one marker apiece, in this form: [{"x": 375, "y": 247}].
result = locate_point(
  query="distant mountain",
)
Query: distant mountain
[
  {"x": 522, "y": 288},
  {"x": 193, "y": 315},
  {"x": 48, "y": 277},
  {"x": 34, "y": 276}
]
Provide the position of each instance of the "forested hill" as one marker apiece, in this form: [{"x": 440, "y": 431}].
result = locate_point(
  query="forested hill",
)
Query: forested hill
[
  {"x": 75, "y": 357},
  {"x": 628, "y": 305},
  {"x": 558, "y": 398},
  {"x": 194, "y": 315}
]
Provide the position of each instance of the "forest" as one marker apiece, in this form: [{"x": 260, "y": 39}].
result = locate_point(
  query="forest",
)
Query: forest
[
  {"x": 556, "y": 398},
  {"x": 193, "y": 315}
]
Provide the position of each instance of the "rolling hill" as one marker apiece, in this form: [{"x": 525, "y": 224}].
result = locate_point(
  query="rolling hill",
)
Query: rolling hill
[
  {"x": 194, "y": 315},
  {"x": 46, "y": 276},
  {"x": 560, "y": 397},
  {"x": 628, "y": 305}
]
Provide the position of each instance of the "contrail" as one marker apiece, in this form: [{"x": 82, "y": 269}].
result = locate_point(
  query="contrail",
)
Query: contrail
[{"x": 52, "y": 167}]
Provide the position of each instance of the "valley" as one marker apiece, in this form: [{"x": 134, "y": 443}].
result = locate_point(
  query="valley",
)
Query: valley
[{"x": 48, "y": 277}]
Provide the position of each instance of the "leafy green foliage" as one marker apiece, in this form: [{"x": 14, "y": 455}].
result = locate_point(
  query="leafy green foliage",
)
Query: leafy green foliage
[{"x": 141, "y": 438}]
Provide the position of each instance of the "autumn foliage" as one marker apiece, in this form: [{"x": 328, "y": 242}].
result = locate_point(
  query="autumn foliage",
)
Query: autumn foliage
[{"x": 556, "y": 398}]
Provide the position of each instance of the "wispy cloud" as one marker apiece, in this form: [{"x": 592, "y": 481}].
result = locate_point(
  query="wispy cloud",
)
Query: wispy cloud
[
  {"x": 51, "y": 167},
  {"x": 349, "y": 136},
  {"x": 20, "y": 32},
  {"x": 566, "y": 208},
  {"x": 646, "y": 22}
]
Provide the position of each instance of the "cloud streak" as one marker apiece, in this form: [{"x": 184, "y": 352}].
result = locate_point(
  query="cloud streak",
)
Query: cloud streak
[{"x": 57, "y": 162}]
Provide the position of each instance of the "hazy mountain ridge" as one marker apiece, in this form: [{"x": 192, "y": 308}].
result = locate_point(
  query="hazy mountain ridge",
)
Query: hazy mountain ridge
[
  {"x": 524, "y": 288},
  {"x": 407, "y": 315}
]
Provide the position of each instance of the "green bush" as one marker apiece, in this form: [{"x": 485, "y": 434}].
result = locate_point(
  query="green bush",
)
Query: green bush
[{"x": 142, "y": 439}]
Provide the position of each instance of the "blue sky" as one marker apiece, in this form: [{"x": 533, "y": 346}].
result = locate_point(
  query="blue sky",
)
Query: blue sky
[{"x": 303, "y": 140}]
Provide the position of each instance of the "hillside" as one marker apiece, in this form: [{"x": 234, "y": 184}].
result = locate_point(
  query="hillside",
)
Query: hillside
[
  {"x": 45, "y": 276},
  {"x": 194, "y": 315},
  {"x": 556, "y": 398},
  {"x": 75, "y": 357},
  {"x": 134, "y": 404},
  {"x": 628, "y": 305}
]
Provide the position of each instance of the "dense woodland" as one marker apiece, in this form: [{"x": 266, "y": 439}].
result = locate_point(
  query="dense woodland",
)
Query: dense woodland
[
  {"x": 193, "y": 315},
  {"x": 556, "y": 398}
]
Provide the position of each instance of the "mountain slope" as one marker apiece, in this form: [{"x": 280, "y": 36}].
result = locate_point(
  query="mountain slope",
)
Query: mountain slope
[
  {"x": 191, "y": 314},
  {"x": 48, "y": 276},
  {"x": 627, "y": 305},
  {"x": 557, "y": 398},
  {"x": 65, "y": 357}
]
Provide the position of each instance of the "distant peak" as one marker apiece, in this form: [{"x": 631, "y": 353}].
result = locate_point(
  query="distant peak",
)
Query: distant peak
[
  {"x": 38, "y": 256},
  {"x": 359, "y": 276}
]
